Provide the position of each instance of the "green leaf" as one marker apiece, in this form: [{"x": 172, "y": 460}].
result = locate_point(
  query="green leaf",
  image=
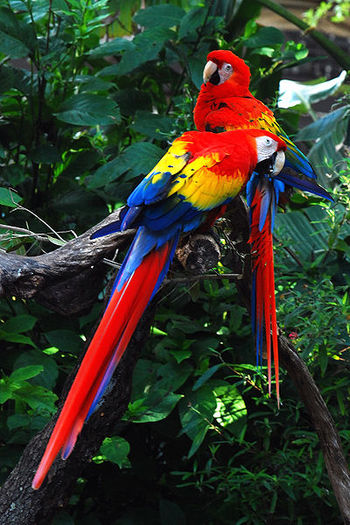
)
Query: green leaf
[
  {"x": 18, "y": 421},
  {"x": 116, "y": 450},
  {"x": 193, "y": 20},
  {"x": 5, "y": 391},
  {"x": 166, "y": 15},
  {"x": 196, "y": 414},
  {"x": 9, "y": 198},
  {"x": 136, "y": 160},
  {"x": 19, "y": 323},
  {"x": 328, "y": 134},
  {"x": 334, "y": 122},
  {"x": 12, "y": 46},
  {"x": 153, "y": 125},
  {"x": 230, "y": 409},
  {"x": 49, "y": 375},
  {"x": 16, "y": 338},
  {"x": 27, "y": 372},
  {"x": 265, "y": 36},
  {"x": 113, "y": 47},
  {"x": 89, "y": 110},
  {"x": 36, "y": 397},
  {"x": 299, "y": 226},
  {"x": 148, "y": 45},
  {"x": 16, "y": 37},
  {"x": 195, "y": 66},
  {"x": 180, "y": 355},
  {"x": 151, "y": 380},
  {"x": 204, "y": 377},
  {"x": 162, "y": 406},
  {"x": 65, "y": 340}
]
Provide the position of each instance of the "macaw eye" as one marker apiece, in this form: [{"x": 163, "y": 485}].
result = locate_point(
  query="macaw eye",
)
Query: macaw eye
[
  {"x": 228, "y": 67},
  {"x": 268, "y": 141}
]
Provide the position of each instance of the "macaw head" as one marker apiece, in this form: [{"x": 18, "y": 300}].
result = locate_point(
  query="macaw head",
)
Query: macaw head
[
  {"x": 270, "y": 152},
  {"x": 226, "y": 73}
]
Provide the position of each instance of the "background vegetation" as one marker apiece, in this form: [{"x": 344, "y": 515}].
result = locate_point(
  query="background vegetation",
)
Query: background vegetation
[{"x": 91, "y": 93}]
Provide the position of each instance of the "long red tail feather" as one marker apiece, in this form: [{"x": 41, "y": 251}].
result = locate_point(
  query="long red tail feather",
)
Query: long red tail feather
[
  {"x": 264, "y": 304},
  {"x": 106, "y": 348}
]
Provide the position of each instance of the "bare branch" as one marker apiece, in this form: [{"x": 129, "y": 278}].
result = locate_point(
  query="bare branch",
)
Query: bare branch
[{"x": 26, "y": 277}]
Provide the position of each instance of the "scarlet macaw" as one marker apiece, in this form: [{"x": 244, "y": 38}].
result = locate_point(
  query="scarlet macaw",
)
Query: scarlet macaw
[
  {"x": 189, "y": 187},
  {"x": 225, "y": 103}
]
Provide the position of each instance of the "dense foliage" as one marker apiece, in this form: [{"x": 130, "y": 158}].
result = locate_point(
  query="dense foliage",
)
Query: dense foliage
[{"x": 86, "y": 110}]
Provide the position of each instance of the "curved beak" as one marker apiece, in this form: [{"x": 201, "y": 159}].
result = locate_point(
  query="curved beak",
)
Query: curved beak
[
  {"x": 209, "y": 70},
  {"x": 279, "y": 162},
  {"x": 271, "y": 165}
]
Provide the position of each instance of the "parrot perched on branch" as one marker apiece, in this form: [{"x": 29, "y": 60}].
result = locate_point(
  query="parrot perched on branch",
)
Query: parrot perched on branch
[
  {"x": 225, "y": 103},
  {"x": 189, "y": 187}
]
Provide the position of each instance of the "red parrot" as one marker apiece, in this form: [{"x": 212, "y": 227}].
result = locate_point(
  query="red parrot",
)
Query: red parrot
[
  {"x": 225, "y": 103},
  {"x": 194, "y": 181}
]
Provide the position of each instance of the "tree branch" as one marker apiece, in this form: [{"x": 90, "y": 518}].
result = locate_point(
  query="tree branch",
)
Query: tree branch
[
  {"x": 65, "y": 280},
  {"x": 323, "y": 422}
]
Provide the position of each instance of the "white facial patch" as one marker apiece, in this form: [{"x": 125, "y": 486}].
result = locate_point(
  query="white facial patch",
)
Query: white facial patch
[
  {"x": 265, "y": 147},
  {"x": 225, "y": 72}
]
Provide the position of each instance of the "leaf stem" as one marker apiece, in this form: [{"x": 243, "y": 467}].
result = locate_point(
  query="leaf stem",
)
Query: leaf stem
[{"x": 333, "y": 49}]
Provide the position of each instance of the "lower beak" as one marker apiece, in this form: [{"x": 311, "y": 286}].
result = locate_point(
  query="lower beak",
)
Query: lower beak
[{"x": 272, "y": 165}]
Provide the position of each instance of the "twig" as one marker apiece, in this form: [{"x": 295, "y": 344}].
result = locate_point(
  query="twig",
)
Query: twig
[{"x": 19, "y": 207}]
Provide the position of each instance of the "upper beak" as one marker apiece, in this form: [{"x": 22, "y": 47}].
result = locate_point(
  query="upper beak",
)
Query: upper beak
[
  {"x": 209, "y": 70},
  {"x": 272, "y": 165}
]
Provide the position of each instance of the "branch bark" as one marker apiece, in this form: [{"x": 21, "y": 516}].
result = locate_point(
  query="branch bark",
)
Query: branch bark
[
  {"x": 323, "y": 422},
  {"x": 65, "y": 280}
]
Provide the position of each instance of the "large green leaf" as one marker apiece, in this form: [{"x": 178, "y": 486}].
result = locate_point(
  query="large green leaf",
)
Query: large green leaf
[
  {"x": 306, "y": 228},
  {"x": 153, "y": 125},
  {"x": 136, "y": 160},
  {"x": 113, "y": 47},
  {"x": 48, "y": 376},
  {"x": 265, "y": 36},
  {"x": 231, "y": 410},
  {"x": 65, "y": 340},
  {"x": 334, "y": 123},
  {"x": 87, "y": 109},
  {"x": 16, "y": 37},
  {"x": 13, "y": 337},
  {"x": 195, "y": 66},
  {"x": 36, "y": 397},
  {"x": 166, "y": 15},
  {"x": 12, "y": 46},
  {"x": 157, "y": 406},
  {"x": 153, "y": 396},
  {"x": 328, "y": 135},
  {"x": 196, "y": 414},
  {"x": 147, "y": 46},
  {"x": 27, "y": 372},
  {"x": 19, "y": 323}
]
